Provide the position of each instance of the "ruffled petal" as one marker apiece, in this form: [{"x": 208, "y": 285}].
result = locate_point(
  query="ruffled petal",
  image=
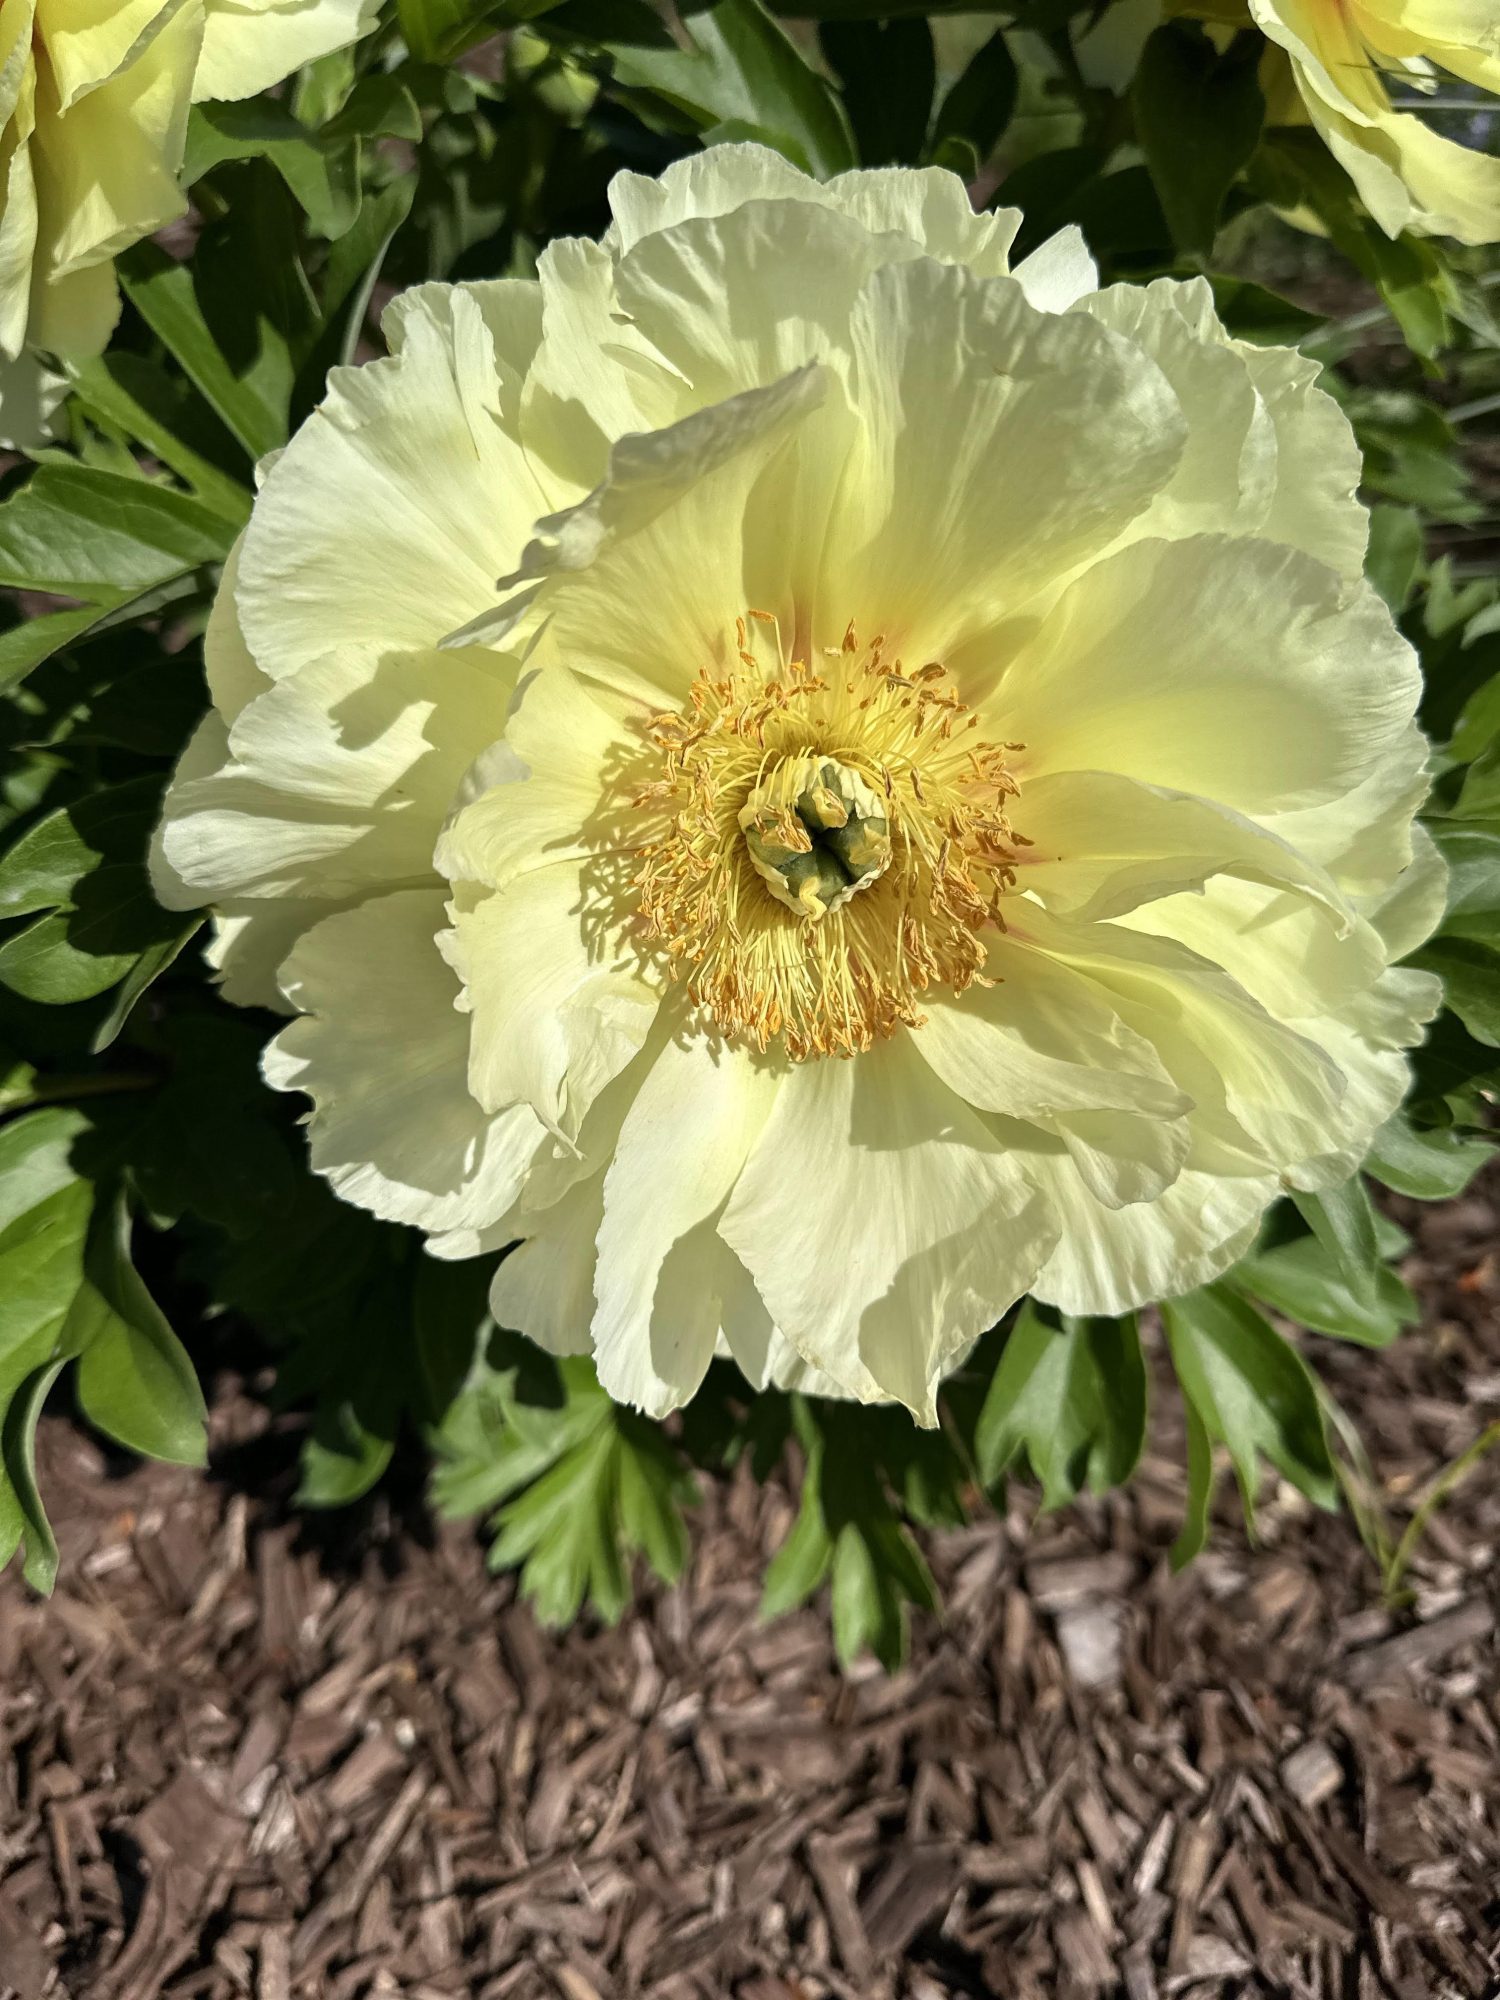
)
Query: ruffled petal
[
  {"x": 663, "y": 1272},
  {"x": 558, "y": 1006},
  {"x": 884, "y": 1226},
  {"x": 1234, "y": 669},
  {"x": 380, "y": 1050}
]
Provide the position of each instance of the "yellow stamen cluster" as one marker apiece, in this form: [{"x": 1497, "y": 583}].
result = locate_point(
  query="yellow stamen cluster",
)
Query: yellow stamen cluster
[{"x": 825, "y": 974}]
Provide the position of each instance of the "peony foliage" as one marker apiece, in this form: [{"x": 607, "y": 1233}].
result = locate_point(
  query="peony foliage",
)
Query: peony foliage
[{"x": 732, "y": 741}]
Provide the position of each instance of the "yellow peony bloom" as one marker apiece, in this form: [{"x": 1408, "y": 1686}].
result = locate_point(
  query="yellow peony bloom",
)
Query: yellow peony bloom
[
  {"x": 94, "y": 98},
  {"x": 925, "y": 817},
  {"x": 1345, "y": 57}
]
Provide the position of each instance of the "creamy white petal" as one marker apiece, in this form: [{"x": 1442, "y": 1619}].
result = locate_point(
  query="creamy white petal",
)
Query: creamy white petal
[
  {"x": 389, "y": 517},
  {"x": 997, "y": 448},
  {"x": 1230, "y": 668},
  {"x": 662, "y": 1270},
  {"x": 884, "y": 1226},
  {"x": 1100, "y": 845},
  {"x": 380, "y": 1050},
  {"x": 558, "y": 1005}
]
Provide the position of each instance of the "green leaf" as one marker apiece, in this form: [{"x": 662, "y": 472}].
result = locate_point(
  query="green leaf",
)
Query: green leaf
[
  {"x": 1252, "y": 1392},
  {"x": 1343, "y": 1221},
  {"x": 1429, "y": 1163},
  {"x": 240, "y": 316},
  {"x": 888, "y": 72},
  {"x": 1255, "y": 312},
  {"x": 143, "y": 402},
  {"x": 81, "y": 533},
  {"x": 1470, "y": 973},
  {"x": 102, "y": 921},
  {"x": 22, "y": 1515},
  {"x": 578, "y": 1485},
  {"x": 44, "y": 1217},
  {"x": 1393, "y": 561},
  {"x": 1304, "y": 1283},
  {"x": 979, "y": 105},
  {"x": 1198, "y": 114},
  {"x": 1472, "y": 851},
  {"x": 321, "y": 171},
  {"x": 847, "y": 1530},
  {"x": 438, "y": 30},
  {"x": 1072, "y": 1398},
  {"x": 1480, "y": 797},
  {"x": 804, "y": 1559},
  {"x": 135, "y": 1381},
  {"x": 743, "y": 70},
  {"x": 1193, "y": 1539}
]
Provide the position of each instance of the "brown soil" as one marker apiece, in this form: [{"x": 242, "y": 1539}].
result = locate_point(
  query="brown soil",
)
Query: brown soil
[{"x": 247, "y": 1754}]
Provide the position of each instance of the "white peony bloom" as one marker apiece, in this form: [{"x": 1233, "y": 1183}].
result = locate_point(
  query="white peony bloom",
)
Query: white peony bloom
[{"x": 925, "y": 815}]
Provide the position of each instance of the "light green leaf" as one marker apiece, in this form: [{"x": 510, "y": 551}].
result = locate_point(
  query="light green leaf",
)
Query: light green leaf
[
  {"x": 101, "y": 536},
  {"x": 1393, "y": 561},
  {"x": 128, "y": 392},
  {"x": 1252, "y": 1392},
  {"x": 1072, "y": 1398},
  {"x": 743, "y": 70},
  {"x": 1304, "y": 1283},
  {"x": 1429, "y": 1163},
  {"x": 1343, "y": 1221},
  {"x": 321, "y": 171}
]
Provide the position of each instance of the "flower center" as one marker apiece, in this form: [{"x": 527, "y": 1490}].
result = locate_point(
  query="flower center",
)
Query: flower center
[
  {"x": 824, "y": 846},
  {"x": 816, "y": 834}
]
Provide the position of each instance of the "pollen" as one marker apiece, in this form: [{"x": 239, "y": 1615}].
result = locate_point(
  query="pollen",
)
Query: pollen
[{"x": 828, "y": 842}]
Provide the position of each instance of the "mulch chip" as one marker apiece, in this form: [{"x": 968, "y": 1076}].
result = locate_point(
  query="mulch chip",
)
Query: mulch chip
[{"x": 247, "y": 1754}]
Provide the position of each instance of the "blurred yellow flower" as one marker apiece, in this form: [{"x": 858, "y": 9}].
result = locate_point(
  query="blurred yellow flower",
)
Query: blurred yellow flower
[
  {"x": 1345, "y": 58},
  {"x": 94, "y": 98},
  {"x": 925, "y": 816}
]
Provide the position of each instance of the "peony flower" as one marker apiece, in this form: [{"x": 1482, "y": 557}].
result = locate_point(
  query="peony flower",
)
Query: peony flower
[
  {"x": 93, "y": 118},
  {"x": 925, "y": 815},
  {"x": 1341, "y": 58}
]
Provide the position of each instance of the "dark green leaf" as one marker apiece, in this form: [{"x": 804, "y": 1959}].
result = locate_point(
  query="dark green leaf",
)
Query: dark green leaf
[
  {"x": 1254, "y": 312},
  {"x": 888, "y": 72},
  {"x": 1198, "y": 114},
  {"x": 978, "y": 107}
]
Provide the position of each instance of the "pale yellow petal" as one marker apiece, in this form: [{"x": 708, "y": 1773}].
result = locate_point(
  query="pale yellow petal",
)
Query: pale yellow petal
[{"x": 379, "y": 1049}]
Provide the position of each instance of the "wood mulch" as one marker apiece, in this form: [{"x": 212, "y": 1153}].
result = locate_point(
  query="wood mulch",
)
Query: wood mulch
[{"x": 247, "y": 1754}]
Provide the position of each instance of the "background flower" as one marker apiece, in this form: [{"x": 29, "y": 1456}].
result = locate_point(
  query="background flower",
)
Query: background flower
[
  {"x": 93, "y": 118},
  {"x": 599, "y": 932}
]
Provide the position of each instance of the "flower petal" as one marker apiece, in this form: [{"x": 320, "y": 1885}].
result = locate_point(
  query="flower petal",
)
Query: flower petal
[
  {"x": 662, "y": 1270},
  {"x": 556, "y": 1013},
  {"x": 884, "y": 1226},
  {"x": 1233, "y": 669},
  {"x": 380, "y": 1050}
]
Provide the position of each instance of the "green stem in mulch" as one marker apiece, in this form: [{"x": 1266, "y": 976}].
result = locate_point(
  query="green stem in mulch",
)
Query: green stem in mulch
[{"x": 1450, "y": 1477}]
